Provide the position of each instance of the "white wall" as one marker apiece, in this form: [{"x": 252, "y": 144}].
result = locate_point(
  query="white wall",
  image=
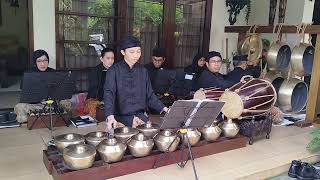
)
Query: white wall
[
  {"x": 14, "y": 22},
  {"x": 44, "y": 28},
  {"x": 297, "y": 11},
  {"x": 308, "y": 11},
  {"x": 219, "y": 20}
]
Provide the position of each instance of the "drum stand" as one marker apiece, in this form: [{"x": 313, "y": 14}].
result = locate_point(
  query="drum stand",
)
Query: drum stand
[{"x": 182, "y": 133}]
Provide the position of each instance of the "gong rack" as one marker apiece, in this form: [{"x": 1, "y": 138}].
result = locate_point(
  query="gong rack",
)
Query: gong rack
[
  {"x": 55, "y": 165},
  {"x": 314, "y": 91}
]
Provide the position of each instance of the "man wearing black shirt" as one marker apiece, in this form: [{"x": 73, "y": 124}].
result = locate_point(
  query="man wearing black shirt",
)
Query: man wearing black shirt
[
  {"x": 158, "y": 59},
  {"x": 127, "y": 90},
  {"x": 211, "y": 77},
  {"x": 242, "y": 67}
]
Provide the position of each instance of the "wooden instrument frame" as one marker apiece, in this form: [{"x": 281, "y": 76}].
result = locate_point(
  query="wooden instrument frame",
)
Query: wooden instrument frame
[{"x": 100, "y": 170}]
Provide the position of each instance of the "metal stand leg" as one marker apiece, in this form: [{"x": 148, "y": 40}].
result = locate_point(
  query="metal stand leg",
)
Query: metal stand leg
[
  {"x": 162, "y": 155},
  {"x": 181, "y": 163},
  {"x": 192, "y": 161},
  {"x": 51, "y": 142}
]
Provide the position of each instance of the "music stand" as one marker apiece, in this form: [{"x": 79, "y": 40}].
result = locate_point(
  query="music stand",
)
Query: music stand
[
  {"x": 186, "y": 114},
  {"x": 47, "y": 88}
]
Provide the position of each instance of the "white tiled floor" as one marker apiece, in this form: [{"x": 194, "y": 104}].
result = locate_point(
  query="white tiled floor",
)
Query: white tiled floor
[{"x": 21, "y": 157}]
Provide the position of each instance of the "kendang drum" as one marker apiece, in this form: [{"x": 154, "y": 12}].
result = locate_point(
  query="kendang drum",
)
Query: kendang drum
[
  {"x": 249, "y": 98},
  {"x": 208, "y": 93}
]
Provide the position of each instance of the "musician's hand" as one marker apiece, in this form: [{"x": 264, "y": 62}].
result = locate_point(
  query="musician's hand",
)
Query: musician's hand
[
  {"x": 137, "y": 122},
  {"x": 111, "y": 122},
  {"x": 255, "y": 62}
]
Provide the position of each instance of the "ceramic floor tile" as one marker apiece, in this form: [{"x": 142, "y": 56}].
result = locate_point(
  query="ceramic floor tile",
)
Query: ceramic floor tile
[
  {"x": 204, "y": 166},
  {"x": 256, "y": 167},
  {"x": 23, "y": 166},
  {"x": 41, "y": 175},
  {"x": 226, "y": 174},
  {"x": 143, "y": 175},
  {"x": 283, "y": 132},
  {"x": 21, "y": 151},
  {"x": 288, "y": 157},
  {"x": 16, "y": 140},
  {"x": 241, "y": 156}
]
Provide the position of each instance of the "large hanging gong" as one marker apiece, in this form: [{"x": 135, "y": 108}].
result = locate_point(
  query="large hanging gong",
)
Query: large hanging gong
[{"x": 251, "y": 46}]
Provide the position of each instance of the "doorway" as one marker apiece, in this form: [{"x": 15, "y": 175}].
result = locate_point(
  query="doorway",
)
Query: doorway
[{"x": 14, "y": 48}]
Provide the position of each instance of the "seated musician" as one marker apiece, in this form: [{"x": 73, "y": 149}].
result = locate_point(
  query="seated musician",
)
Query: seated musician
[
  {"x": 211, "y": 77},
  {"x": 242, "y": 67},
  {"x": 254, "y": 67},
  {"x": 195, "y": 69},
  {"x": 40, "y": 59},
  {"x": 97, "y": 76},
  {"x": 158, "y": 59},
  {"x": 127, "y": 90}
]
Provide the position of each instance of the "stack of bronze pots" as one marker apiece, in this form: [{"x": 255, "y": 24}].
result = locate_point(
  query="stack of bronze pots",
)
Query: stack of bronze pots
[{"x": 286, "y": 70}]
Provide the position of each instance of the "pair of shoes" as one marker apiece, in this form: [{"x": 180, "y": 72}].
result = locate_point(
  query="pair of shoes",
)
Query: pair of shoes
[
  {"x": 294, "y": 168},
  {"x": 303, "y": 171}
]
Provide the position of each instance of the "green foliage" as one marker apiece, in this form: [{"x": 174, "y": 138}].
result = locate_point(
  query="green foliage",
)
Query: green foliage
[
  {"x": 314, "y": 144},
  {"x": 101, "y": 8},
  {"x": 153, "y": 11},
  {"x": 145, "y": 9},
  {"x": 76, "y": 26}
]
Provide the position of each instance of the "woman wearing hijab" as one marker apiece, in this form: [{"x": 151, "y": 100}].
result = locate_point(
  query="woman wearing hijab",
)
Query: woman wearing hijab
[
  {"x": 195, "y": 69},
  {"x": 40, "y": 59}
]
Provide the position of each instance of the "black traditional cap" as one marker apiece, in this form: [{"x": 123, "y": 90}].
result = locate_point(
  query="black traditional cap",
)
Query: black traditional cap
[
  {"x": 130, "y": 42},
  {"x": 159, "y": 52},
  {"x": 239, "y": 59},
  {"x": 212, "y": 54},
  {"x": 38, "y": 53}
]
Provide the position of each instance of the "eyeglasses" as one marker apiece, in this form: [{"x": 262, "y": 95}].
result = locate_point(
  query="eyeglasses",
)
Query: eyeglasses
[
  {"x": 42, "y": 61},
  {"x": 215, "y": 62}
]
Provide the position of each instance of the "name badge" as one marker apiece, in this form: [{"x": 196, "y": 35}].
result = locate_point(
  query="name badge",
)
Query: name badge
[{"x": 188, "y": 76}]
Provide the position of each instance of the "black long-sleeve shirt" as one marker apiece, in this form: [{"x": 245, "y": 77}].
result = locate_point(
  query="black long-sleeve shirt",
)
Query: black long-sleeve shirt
[
  {"x": 237, "y": 73},
  {"x": 209, "y": 79},
  {"x": 128, "y": 91},
  {"x": 97, "y": 77}
]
